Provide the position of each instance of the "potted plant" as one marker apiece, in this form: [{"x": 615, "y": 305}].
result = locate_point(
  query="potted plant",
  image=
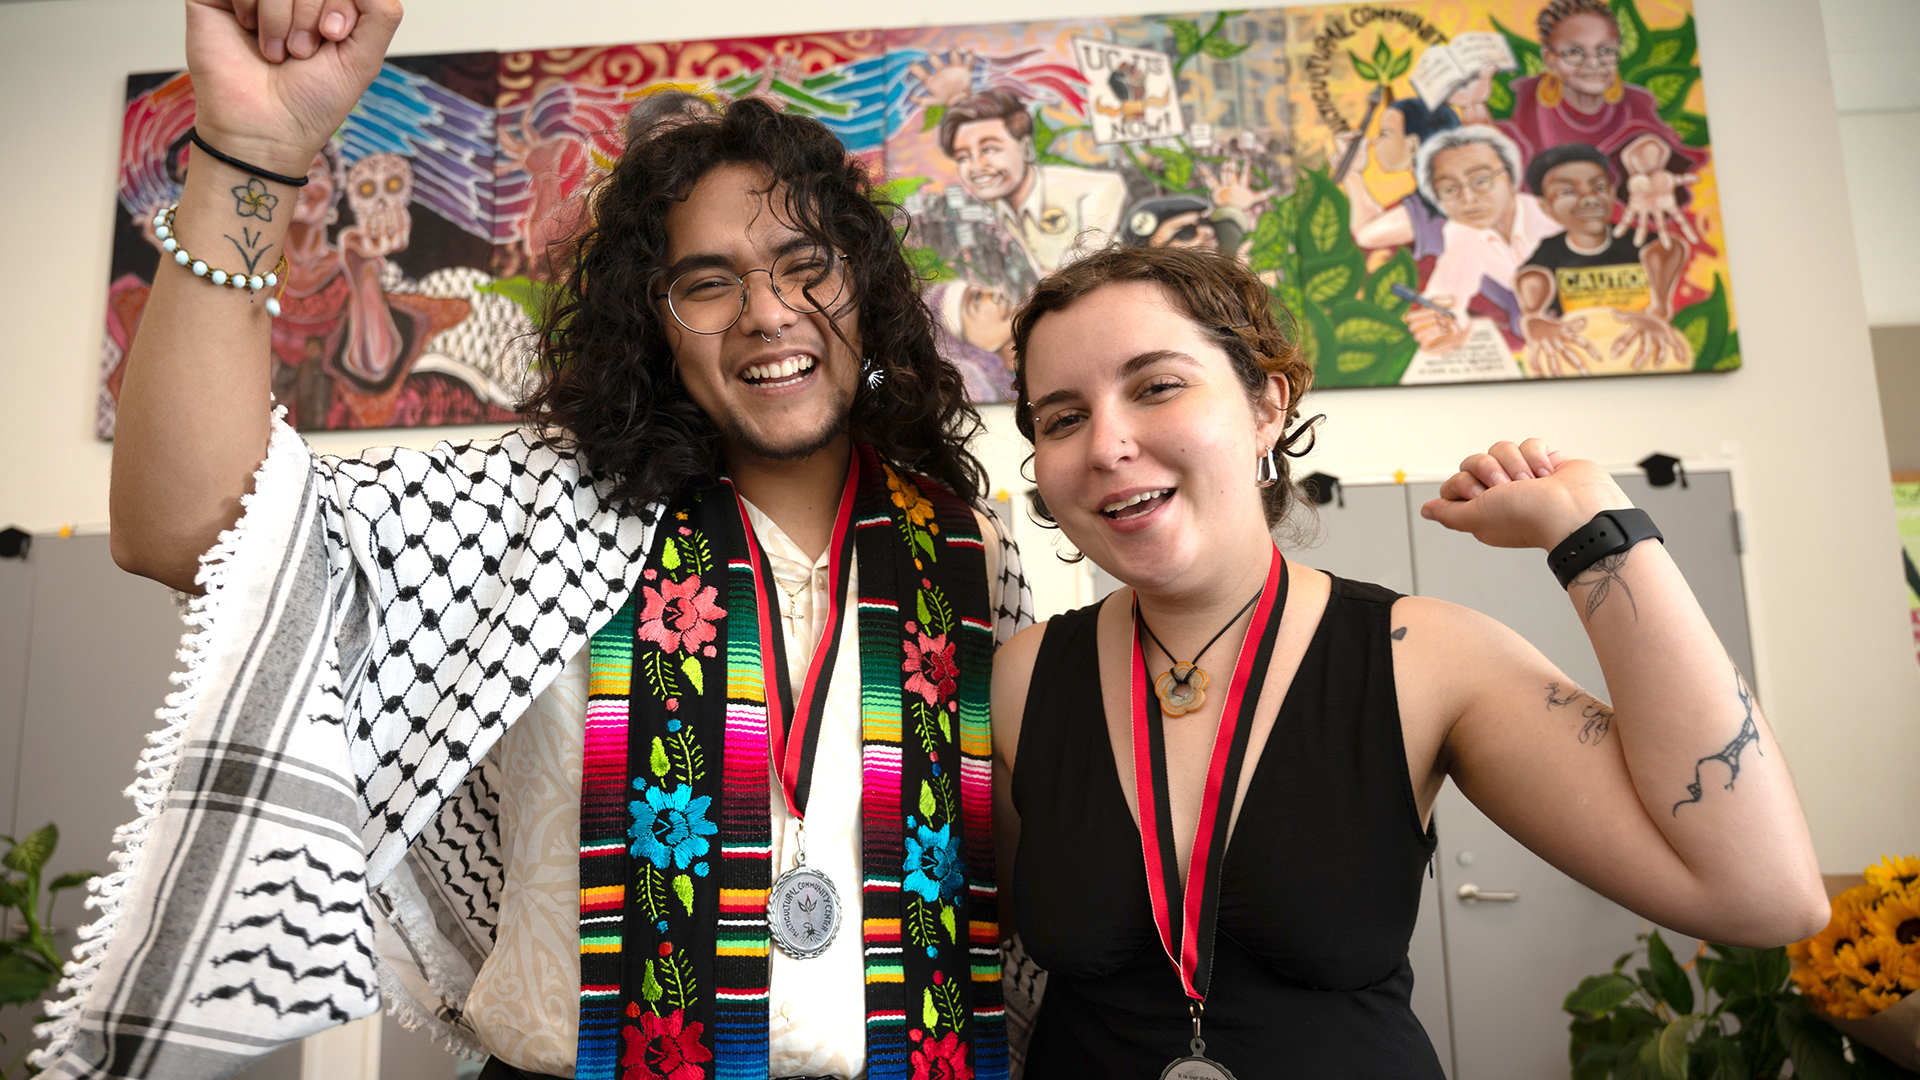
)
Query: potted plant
[{"x": 29, "y": 961}]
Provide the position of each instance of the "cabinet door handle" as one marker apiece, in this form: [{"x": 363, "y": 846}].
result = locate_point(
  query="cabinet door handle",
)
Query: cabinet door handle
[{"x": 1470, "y": 893}]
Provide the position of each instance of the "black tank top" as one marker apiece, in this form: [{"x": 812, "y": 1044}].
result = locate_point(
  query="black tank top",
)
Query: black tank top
[{"x": 1320, "y": 886}]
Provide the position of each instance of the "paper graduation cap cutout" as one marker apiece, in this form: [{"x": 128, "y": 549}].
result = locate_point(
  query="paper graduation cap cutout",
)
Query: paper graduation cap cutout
[
  {"x": 1661, "y": 468},
  {"x": 14, "y": 543},
  {"x": 1322, "y": 488}
]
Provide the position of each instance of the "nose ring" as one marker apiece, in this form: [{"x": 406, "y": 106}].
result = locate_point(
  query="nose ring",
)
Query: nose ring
[{"x": 778, "y": 331}]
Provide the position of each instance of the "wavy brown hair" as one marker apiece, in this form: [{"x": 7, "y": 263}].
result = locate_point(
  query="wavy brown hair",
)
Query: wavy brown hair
[
  {"x": 1225, "y": 302},
  {"x": 609, "y": 389}
]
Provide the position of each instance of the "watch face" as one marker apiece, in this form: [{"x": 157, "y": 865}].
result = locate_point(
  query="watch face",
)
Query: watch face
[
  {"x": 803, "y": 913},
  {"x": 1196, "y": 1068}
]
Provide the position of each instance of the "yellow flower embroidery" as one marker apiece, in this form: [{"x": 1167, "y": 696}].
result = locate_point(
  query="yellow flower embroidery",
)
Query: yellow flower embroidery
[{"x": 906, "y": 495}]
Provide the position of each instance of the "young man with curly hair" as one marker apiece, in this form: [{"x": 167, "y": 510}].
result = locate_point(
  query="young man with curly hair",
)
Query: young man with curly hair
[{"x": 648, "y": 741}]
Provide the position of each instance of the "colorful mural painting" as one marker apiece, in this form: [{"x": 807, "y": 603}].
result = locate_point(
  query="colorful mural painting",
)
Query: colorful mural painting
[{"x": 1437, "y": 190}]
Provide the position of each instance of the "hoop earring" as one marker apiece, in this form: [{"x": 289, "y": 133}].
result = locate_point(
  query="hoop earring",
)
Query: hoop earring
[
  {"x": 1266, "y": 471},
  {"x": 1547, "y": 92},
  {"x": 1614, "y": 91}
]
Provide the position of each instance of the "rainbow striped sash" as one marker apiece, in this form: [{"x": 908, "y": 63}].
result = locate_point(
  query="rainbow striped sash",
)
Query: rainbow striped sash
[{"x": 675, "y": 831}]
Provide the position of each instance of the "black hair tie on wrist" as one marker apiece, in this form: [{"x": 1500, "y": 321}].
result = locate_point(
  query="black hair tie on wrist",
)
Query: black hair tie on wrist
[{"x": 278, "y": 178}]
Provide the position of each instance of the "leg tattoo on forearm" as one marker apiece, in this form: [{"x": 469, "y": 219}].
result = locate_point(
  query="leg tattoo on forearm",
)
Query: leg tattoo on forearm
[
  {"x": 1597, "y": 716},
  {"x": 1601, "y": 577},
  {"x": 1730, "y": 754}
]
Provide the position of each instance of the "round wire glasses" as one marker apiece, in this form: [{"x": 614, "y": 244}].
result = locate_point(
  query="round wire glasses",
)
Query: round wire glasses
[{"x": 710, "y": 299}]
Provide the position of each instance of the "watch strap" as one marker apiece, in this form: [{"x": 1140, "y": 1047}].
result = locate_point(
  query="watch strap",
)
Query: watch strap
[{"x": 1609, "y": 533}]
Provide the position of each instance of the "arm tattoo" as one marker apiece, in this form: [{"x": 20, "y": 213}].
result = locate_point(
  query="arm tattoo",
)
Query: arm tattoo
[
  {"x": 1601, "y": 577},
  {"x": 252, "y": 199},
  {"x": 250, "y": 251},
  {"x": 1730, "y": 754},
  {"x": 1597, "y": 717},
  {"x": 1400, "y": 634}
]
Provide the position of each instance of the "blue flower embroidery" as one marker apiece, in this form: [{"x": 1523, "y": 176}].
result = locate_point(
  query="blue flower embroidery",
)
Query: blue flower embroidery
[
  {"x": 933, "y": 863},
  {"x": 671, "y": 826}
]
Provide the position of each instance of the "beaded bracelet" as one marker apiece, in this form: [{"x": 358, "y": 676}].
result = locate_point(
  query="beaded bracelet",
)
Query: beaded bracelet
[{"x": 163, "y": 228}]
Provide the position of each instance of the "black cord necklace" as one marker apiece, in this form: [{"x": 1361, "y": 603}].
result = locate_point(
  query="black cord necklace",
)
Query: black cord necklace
[{"x": 1182, "y": 688}]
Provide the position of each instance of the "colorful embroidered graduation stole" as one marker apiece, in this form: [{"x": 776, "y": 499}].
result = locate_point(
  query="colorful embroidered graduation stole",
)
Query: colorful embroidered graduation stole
[{"x": 675, "y": 832}]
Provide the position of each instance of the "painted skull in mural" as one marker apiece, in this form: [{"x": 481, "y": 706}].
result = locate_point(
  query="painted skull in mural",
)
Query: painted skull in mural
[{"x": 379, "y": 190}]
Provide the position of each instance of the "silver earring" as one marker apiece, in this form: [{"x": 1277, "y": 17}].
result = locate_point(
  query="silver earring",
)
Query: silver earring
[
  {"x": 1266, "y": 471},
  {"x": 875, "y": 374}
]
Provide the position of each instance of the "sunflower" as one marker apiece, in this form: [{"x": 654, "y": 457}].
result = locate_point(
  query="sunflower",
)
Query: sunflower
[
  {"x": 1875, "y": 966},
  {"x": 1895, "y": 872},
  {"x": 1818, "y": 961}
]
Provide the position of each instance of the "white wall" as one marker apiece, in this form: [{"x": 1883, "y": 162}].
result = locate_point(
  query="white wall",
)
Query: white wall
[
  {"x": 1800, "y": 423},
  {"x": 1874, "y": 49}
]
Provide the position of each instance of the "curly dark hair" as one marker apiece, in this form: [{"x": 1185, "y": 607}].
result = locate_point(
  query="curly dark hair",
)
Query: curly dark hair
[
  {"x": 608, "y": 386},
  {"x": 1225, "y": 302}
]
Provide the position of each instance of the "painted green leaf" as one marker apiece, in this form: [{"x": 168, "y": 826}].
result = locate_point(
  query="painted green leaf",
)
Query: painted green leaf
[
  {"x": 650, "y": 986},
  {"x": 1354, "y": 360},
  {"x": 1669, "y": 86},
  {"x": 928, "y": 1015},
  {"x": 1664, "y": 51},
  {"x": 1704, "y": 325},
  {"x": 1324, "y": 228},
  {"x": 1368, "y": 331},
  {"x": 1269, "y": 250},
  {"x": 1362, "y": 68},
  {"x": 900, "y": 187},
  {"x": 532, "y": 296},
  {"x": 1221, "y": 49},
  {"x": 1691, "y": 126},
  {"x": 1730, "y": 356},
  {"x": 657, "y": 760},
  {"x": 927, "y": 805},
  {"x": 1186, "y": 36},
  {"x": 683, "y": 888},
  {"x": 1400, "y": 64},
  {"x": 935, "y": 114},
  {"x": 29, "y": 855},
  {"x": 690, "y": 667},
  {"x": 1382, "y": 56},
  {"x": 929, "y": 265},
  {"x": 670, "y": 555},
  {"x": 1179, "y": 168},
  {"x": 1329, "y": 284},
  {"x": 1633, "y": 32},
  {"x": 1500, "y": 98},
  {"x": 1398, "y": 270},
  {"x": 946, "y": 920}
]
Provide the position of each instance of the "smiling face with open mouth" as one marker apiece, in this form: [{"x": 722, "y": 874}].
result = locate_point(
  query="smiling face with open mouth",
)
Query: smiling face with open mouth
[
  {"x": 1145, "y": 438},
  {"x": 778, "y": 383}
]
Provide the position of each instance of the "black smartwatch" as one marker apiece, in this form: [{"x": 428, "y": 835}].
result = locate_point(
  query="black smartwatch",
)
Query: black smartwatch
[{"x": 1609, "y": 533}]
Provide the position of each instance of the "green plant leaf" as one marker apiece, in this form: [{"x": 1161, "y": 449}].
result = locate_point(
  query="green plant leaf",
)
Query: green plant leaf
[
  {"x": 1186, "y": 36},
  {"x": 690, "y": 667},
  {"x": 1670, "y": 1049},
  {"x": 1811, "y": 1043},
  {"x": 1675, "y": 988},
  {"x": 1720, "y": 1059},
  {"x": 1598, "y": 995},
  {"x": 683, "y": 888},
  {"x": 29, "y": 855},
  {"x": 11, "y": 895},
  {"x": 71, "y": 881},
  {"x": 1221, "y": 49},
  {"x": 24, "y": 977}
]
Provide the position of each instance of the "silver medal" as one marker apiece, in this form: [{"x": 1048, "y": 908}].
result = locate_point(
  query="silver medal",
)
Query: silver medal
[
  {"x": 803, "y": 912},
  {"x": 1197, "y": 1067}
]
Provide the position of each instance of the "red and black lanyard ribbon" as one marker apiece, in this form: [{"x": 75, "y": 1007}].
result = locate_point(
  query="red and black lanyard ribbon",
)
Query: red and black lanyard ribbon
[
  {"x": 793, "y": 724},
  {"x": 1189, "y": 943}
]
